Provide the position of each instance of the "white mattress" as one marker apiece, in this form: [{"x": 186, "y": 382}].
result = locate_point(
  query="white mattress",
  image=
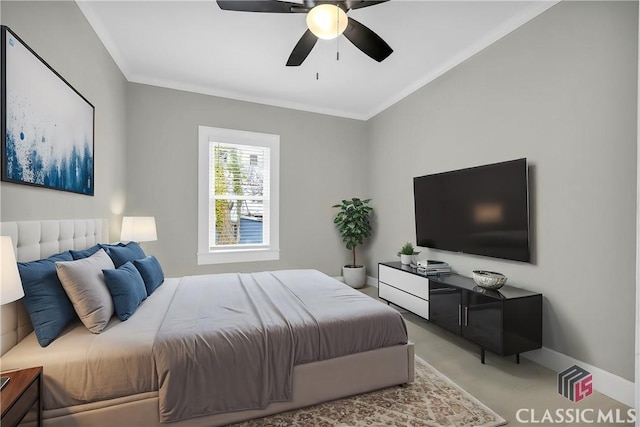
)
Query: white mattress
[{"x": 82, "y": 367}]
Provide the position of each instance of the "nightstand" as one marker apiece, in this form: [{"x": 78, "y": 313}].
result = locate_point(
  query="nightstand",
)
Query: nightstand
[{"x": 23, "y": 390}]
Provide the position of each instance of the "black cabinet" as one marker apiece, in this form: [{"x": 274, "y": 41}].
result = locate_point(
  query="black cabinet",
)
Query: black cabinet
[
  {"x": 506, "y": 322},
  {"x": 445, "y": 306},
  {"x": 481, "y": 321}
]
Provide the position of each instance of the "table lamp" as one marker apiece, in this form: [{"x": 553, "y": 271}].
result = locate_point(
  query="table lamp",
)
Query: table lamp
[
  {"x": 10, "y": 283},
  {"x": 138, "y": 229}
]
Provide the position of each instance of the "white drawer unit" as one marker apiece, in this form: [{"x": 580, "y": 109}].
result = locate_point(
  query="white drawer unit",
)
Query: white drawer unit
[
  {"x": 410, "y": 283},
  {"x": 403, "y": 299},
  {"x": 408, "y": 291}
]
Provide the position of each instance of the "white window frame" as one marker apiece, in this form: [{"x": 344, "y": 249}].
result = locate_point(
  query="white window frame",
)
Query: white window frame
[{"x": 221, "y": 255}]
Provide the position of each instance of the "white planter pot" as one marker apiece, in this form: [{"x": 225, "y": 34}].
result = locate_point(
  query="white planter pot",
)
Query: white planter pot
[
  {"x": 356, "y": 277},
  {"x": 406, "y": 259}
]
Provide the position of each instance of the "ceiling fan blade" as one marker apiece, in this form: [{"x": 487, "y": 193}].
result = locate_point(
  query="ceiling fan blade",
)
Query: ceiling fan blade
[
  {"x": 302, "y": 49},
  {"x": 269, "y": 6},
  {"x": 367, "y": 41},
  {"x": 359, "y": 4}
]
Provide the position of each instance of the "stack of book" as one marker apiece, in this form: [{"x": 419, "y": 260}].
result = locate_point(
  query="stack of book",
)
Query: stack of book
[{"x": 428, "y": 266}]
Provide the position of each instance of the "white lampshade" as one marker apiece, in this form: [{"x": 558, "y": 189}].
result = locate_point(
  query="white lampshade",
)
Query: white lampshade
[
  {"x": 10, "y": 283},
  {"x": 138, "y": 229},
  {"x": 327, "y": 21}
]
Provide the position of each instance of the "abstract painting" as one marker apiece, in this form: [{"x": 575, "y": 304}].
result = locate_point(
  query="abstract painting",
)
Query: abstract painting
[{"x": 47, "y": 126}]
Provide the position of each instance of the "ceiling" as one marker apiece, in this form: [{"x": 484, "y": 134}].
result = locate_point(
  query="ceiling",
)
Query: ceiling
[{"x": 196, "y": 46}]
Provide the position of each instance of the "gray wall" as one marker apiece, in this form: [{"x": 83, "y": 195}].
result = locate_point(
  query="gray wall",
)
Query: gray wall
[
  {"x": 560, "y": 91},
  {"x": 321, "y": 162},
  {"x": 61, "y": 35}
]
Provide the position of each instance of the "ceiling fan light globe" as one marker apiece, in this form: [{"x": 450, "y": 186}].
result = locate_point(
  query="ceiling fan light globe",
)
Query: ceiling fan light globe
[{"x": 327, "y": 21}]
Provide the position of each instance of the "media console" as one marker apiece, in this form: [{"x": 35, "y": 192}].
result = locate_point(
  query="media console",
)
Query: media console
[{"x": 506, "y": 322}]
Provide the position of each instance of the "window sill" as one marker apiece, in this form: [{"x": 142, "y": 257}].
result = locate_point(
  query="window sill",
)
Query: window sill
[{"x": 238, "y": 255}]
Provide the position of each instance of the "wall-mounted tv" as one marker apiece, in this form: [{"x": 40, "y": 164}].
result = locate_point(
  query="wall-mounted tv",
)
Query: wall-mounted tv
[{"x": 482, "y": 210}]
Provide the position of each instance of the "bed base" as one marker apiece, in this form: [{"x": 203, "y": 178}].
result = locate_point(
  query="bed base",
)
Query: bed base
[{"x": 313, "y": 383}]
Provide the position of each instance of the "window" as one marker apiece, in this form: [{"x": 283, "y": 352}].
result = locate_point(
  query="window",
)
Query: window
[{"x": 238, "y": 185}]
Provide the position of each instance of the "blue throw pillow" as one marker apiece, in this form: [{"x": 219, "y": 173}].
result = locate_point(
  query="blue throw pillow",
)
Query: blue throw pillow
[
  {"x": 86, "y": 253},
  {"x": 120, "y": 255},
  {"x": 126, "y": 288},
  {"x": 46, "y": 301},
  {"x": 151, "y": 273}
]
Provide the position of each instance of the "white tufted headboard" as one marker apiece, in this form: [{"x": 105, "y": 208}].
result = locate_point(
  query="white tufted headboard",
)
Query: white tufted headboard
[{"x": 35, "y": 240}]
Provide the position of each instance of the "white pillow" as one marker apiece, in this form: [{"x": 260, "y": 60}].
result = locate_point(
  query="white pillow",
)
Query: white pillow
[{"x": 83, "y": 281}]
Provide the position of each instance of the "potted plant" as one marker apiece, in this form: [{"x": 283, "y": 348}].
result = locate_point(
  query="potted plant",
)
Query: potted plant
[
  {"x": 353, "y": 225},
  {"x": 406, "y": 253}
]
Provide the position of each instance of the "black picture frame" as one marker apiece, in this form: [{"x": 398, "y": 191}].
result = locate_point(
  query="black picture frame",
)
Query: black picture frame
[{"x": 48, "y": 127}]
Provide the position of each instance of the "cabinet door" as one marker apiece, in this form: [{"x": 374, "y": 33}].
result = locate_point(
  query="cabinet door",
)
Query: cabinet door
[
  {"x": 445, "y": 306},
  {"x": 482, "y": 321}
]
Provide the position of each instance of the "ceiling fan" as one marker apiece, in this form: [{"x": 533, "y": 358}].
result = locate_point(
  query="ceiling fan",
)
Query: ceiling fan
[{"x": 325, "y": 19}]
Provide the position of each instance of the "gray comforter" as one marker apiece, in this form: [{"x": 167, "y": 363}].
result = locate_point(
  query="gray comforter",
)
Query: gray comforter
[{"x": 229, "y": 342}]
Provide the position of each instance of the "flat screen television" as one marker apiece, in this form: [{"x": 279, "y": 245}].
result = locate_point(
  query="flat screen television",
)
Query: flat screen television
[{"x": 482, "y": 210}]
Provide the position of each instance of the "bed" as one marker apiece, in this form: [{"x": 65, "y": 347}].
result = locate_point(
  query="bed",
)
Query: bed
[{"x": 127, "y": 374}]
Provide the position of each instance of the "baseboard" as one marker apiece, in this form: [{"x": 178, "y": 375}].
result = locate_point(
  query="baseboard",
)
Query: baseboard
[
  {"x": 605, "y": 382},
  {"x": 372, "y": 281}
]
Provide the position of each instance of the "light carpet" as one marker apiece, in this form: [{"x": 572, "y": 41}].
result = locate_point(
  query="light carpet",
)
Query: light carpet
[{"x": 431, "y": 400}]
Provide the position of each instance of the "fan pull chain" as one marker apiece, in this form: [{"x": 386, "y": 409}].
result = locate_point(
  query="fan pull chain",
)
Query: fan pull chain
[{"x": 338, "y": 35}]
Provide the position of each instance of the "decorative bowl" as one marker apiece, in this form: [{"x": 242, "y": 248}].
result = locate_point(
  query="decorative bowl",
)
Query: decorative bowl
[{"x": 489, "y": 279}]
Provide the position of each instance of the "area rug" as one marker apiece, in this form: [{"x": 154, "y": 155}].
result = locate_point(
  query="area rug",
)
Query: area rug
[{"x": 432, "y": 400}]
